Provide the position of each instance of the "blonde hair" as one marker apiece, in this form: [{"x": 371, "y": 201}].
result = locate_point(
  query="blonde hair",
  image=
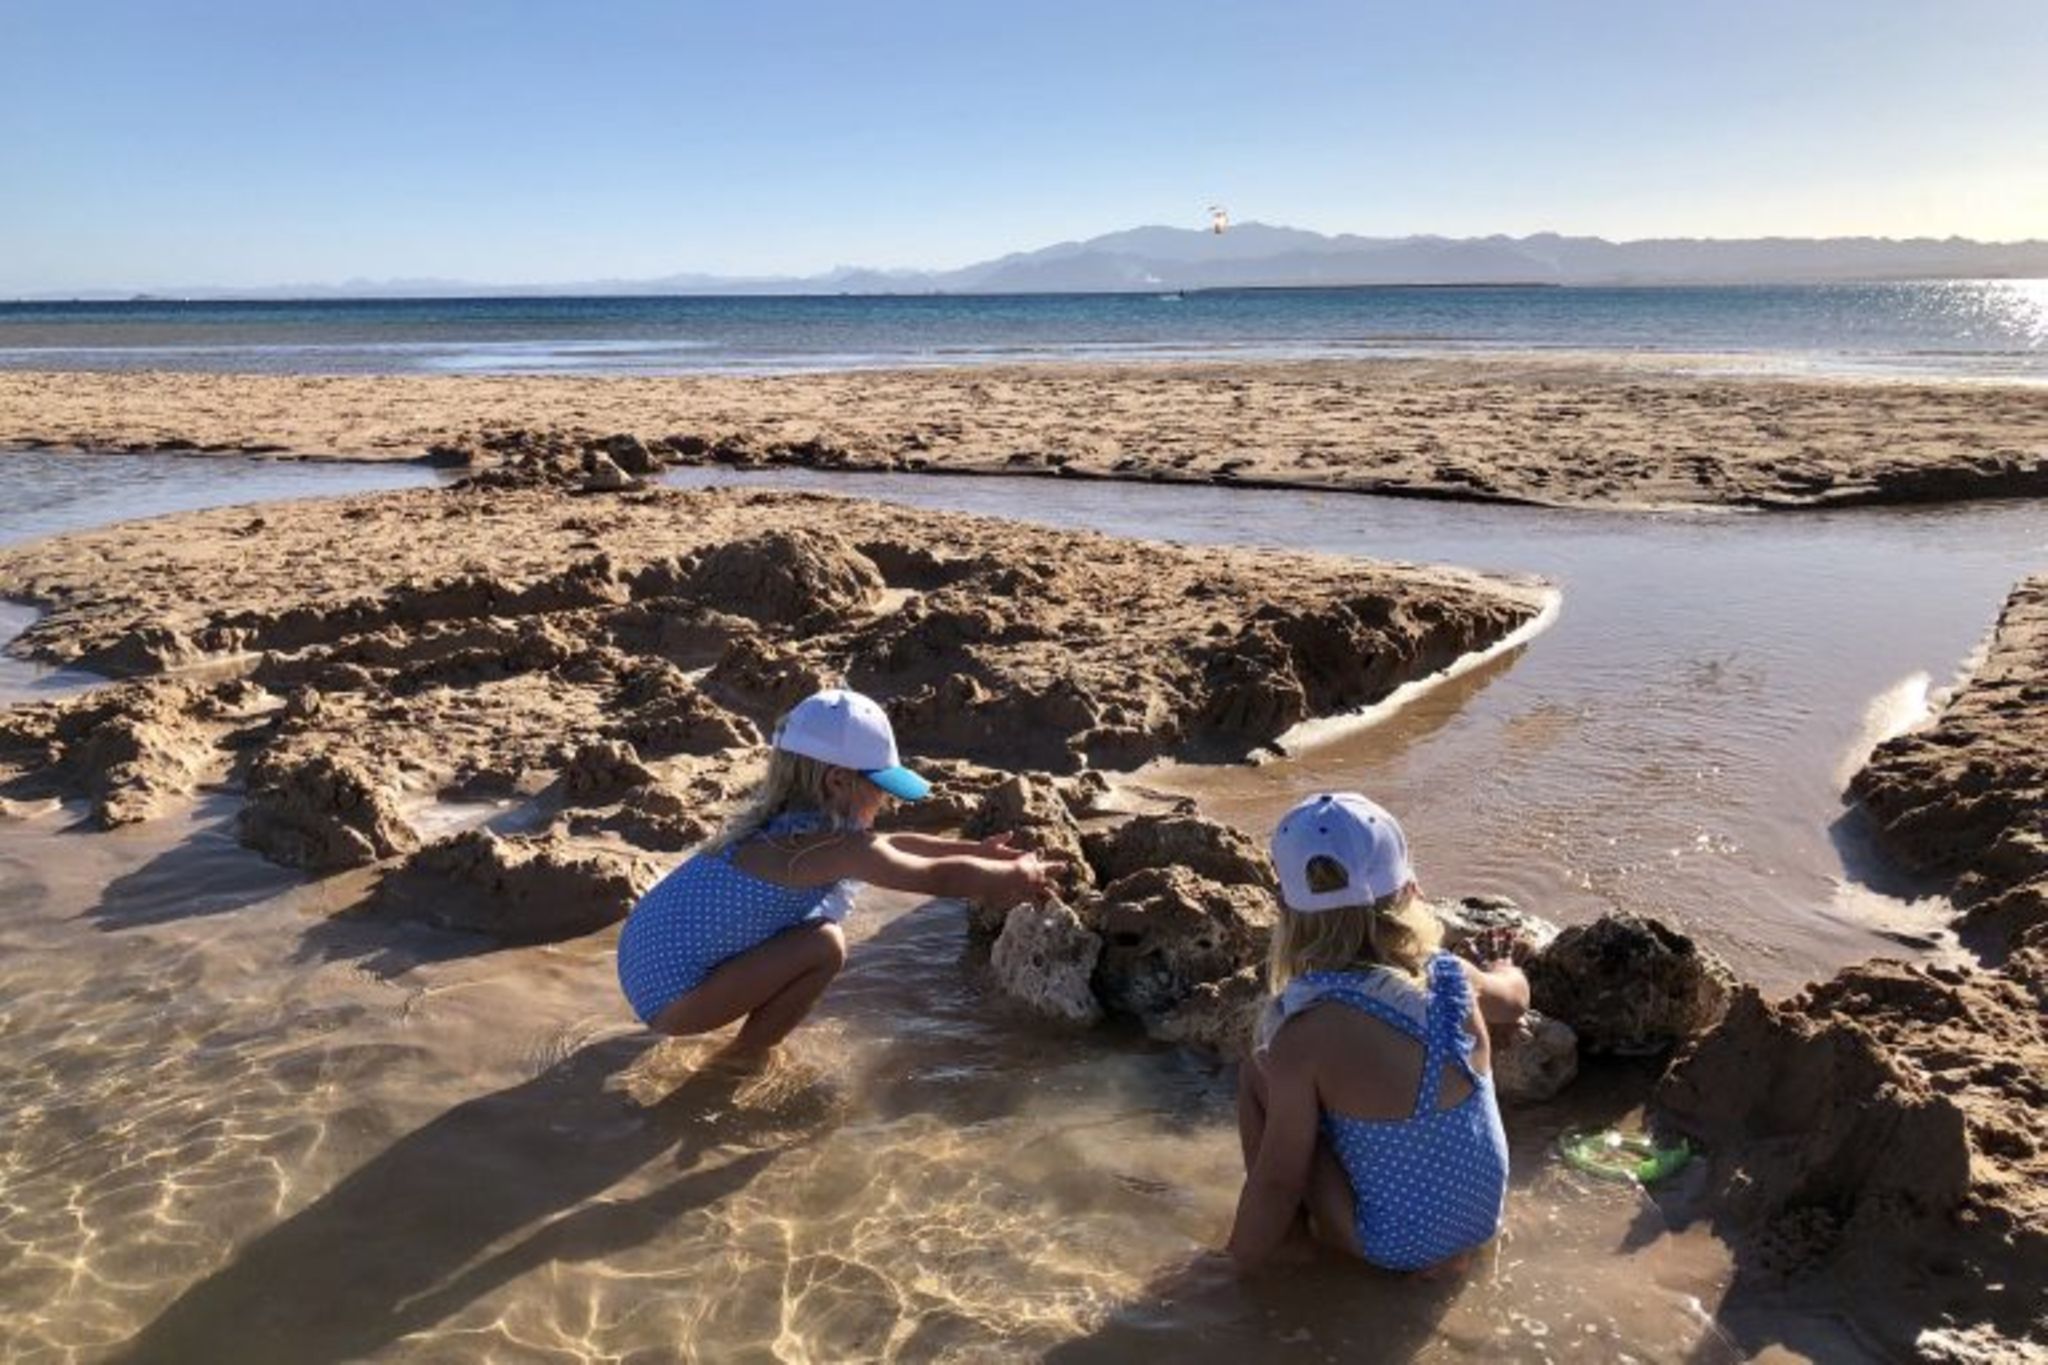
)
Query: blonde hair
[
  {"x": 792, "y": 783},
  {"x": 1398, "y": 931}
]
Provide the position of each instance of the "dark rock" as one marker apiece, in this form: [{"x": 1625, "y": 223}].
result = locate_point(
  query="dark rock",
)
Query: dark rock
[{"x": 1629, "y": 984}]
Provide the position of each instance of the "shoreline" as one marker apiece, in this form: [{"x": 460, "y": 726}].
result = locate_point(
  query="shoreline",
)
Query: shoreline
[{"x": 1597, "y": 432}]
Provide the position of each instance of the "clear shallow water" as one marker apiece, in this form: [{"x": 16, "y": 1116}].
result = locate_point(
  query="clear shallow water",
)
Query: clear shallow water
[
  {"x": 1677, "y": 742},
  {"x": 42, "y": 494},
  {"x": 1995, "y": 329},
  {"x": 246, "y": 1129}
]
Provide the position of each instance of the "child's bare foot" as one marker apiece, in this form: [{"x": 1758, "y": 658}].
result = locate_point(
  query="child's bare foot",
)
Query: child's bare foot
[{"x": 741, "y": 1063}]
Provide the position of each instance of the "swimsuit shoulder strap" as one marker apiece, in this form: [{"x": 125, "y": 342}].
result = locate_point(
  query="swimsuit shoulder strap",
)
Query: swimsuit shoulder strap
[{"x": 1445, "y": 1038}]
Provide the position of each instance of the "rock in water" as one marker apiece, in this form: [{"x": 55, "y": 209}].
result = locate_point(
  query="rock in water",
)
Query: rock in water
[
  {"x": 1205, "y": 848},
  {"x": 1045, "y": 957},
  {"x": 321, "y": 813},
  {"x": 1466, "y": 919},
  {"x": 603, "y": 475},
  {"x": 1217, "y": 1015},
  {"x": 1534, "y": 1060},
  {"x": 1033, "y": 811},
  {"x": 1629, "y": 984},
  {"x": 1166, "y": 930}
]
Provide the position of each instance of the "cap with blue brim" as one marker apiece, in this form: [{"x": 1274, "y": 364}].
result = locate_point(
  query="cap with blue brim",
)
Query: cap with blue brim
[
  {"x": 848, "y": 730},
  {"x": 900, "y": 782}
]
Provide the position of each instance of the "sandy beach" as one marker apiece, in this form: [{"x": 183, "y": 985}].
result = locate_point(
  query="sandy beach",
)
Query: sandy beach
[
  {"x": 346, "y": 686},
  {"x": 1561, "y": 431}
]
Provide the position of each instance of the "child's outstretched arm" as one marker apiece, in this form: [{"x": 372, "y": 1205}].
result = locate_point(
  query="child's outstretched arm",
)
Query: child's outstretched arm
[
  {"x": 882, "y": 860},
  {"x": 1500, "y": 990},
  {"x": 938, "y": 846},
  {"x": 1278, "y": 1180}
]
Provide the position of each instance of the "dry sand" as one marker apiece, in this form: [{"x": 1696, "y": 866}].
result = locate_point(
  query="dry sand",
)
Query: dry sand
[{"x": 1552, "y": 431}]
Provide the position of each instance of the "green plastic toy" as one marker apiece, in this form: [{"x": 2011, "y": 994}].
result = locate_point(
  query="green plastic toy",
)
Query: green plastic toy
[{"x": 1611, "y": 1154}]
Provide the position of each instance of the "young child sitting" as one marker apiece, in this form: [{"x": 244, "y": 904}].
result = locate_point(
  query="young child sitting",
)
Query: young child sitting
[
  {"x": 1368, "y": 1105},
  {"x": 748, "y": 927}
]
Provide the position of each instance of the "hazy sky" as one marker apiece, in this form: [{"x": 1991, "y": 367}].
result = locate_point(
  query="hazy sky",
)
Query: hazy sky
[{"x": 241, "y": 142}]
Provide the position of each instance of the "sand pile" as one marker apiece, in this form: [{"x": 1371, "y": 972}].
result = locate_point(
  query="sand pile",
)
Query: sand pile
[
  {"x": 1883, "y": 1133},
  {"x": 1553, "y": 431},
  {"x": 1968, "y": 796}
]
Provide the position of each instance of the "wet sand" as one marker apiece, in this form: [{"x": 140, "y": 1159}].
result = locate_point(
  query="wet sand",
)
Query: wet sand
[
  {"x": 320, "y": 1144},
  {"x": 1602, "y": 431}
]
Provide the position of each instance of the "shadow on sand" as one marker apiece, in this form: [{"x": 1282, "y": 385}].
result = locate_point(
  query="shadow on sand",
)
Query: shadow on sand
[{"x": 394, "y": 1248}]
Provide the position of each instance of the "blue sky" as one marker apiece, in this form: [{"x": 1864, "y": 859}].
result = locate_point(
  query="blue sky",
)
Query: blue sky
[{"x": 241, "y": 143}]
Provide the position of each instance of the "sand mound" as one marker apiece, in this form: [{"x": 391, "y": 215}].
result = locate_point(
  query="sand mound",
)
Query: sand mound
[
  {"x": 521, "y": 889},
  {"x": 1882, "y": 1134},
  {"x": 133, "y": 750},
  {"x": 321, "y": 813},
  {"x": 1966, "y": 796},
  {"x": 1503, "y": 429}
]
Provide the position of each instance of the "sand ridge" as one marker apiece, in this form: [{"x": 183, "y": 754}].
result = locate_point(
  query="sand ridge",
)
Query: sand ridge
[
  {"x": 341, "y": 658},
  {"x": 1557, "y": 431}
]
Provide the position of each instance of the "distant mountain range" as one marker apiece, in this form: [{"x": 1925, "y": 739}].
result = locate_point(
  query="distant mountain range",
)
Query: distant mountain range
[{"x": 1257, "y": 255}]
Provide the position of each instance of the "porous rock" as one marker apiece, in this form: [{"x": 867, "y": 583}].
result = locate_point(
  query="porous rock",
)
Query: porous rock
[
  {"x": 1628, "y": 984},
  {"x": 1167, "y": 930},
  {"x": 1534, "y": 1060},
  {"x": 1204, "y": 847},
  {"x": 1031, "y": 811},
  {"x": 1471, "y": 917},
  {"x": 1218, "y": 1016},
  {"x": 1044, "y": 958}
]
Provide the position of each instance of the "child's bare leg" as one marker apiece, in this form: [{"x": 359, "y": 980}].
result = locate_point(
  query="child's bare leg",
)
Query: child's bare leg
[
  {"x": 1251, "y": 1109},
  {"x": 773, "y": 987},
  {"x": 1332, "y": 1209}
]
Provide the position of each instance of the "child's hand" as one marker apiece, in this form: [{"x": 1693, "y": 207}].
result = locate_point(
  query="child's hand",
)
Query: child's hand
[
  {"x": 1034, "y": 876},
  {"x": 1490, "y": 948},
  {"x": 1000, "y": 847}
]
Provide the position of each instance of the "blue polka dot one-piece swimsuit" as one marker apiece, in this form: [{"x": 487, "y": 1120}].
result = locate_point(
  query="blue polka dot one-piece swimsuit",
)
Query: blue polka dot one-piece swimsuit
[
  {"x": 707, "y": 912},
  {"x": 1434, "y": 1184}
]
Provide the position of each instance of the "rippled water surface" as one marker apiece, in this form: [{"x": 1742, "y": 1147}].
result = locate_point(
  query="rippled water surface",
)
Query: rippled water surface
[
  {"x": 1941, "y": 328},
  {"x": 243, "y": 1126}
]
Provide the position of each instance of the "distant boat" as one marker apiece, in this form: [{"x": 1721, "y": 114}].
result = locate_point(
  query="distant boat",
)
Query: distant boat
[{"x": 1175, "y": 297}]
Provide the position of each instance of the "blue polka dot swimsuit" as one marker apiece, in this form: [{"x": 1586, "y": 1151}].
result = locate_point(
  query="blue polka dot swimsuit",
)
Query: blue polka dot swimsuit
[
  {"x": 707, "y": 912},
  {"x": 1434, "y": 1184}
]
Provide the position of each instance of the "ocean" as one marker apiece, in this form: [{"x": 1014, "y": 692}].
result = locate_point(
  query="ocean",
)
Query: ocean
[{"x": 1967, "y": 329}]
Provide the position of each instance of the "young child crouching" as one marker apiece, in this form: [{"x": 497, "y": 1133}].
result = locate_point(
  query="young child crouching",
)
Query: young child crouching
[
  {"x": 748, "y": 927},
  {"x": 1368, "y": 1104}
]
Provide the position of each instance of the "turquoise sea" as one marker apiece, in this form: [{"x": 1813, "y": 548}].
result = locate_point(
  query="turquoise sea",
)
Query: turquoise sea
[{"x": 1961, "y": 329}]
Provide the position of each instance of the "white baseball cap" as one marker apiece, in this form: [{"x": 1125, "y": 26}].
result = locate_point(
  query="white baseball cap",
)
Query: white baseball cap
[
  {"x": 849, "y": 730},
  {"x": 1356, "y": 834}
]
